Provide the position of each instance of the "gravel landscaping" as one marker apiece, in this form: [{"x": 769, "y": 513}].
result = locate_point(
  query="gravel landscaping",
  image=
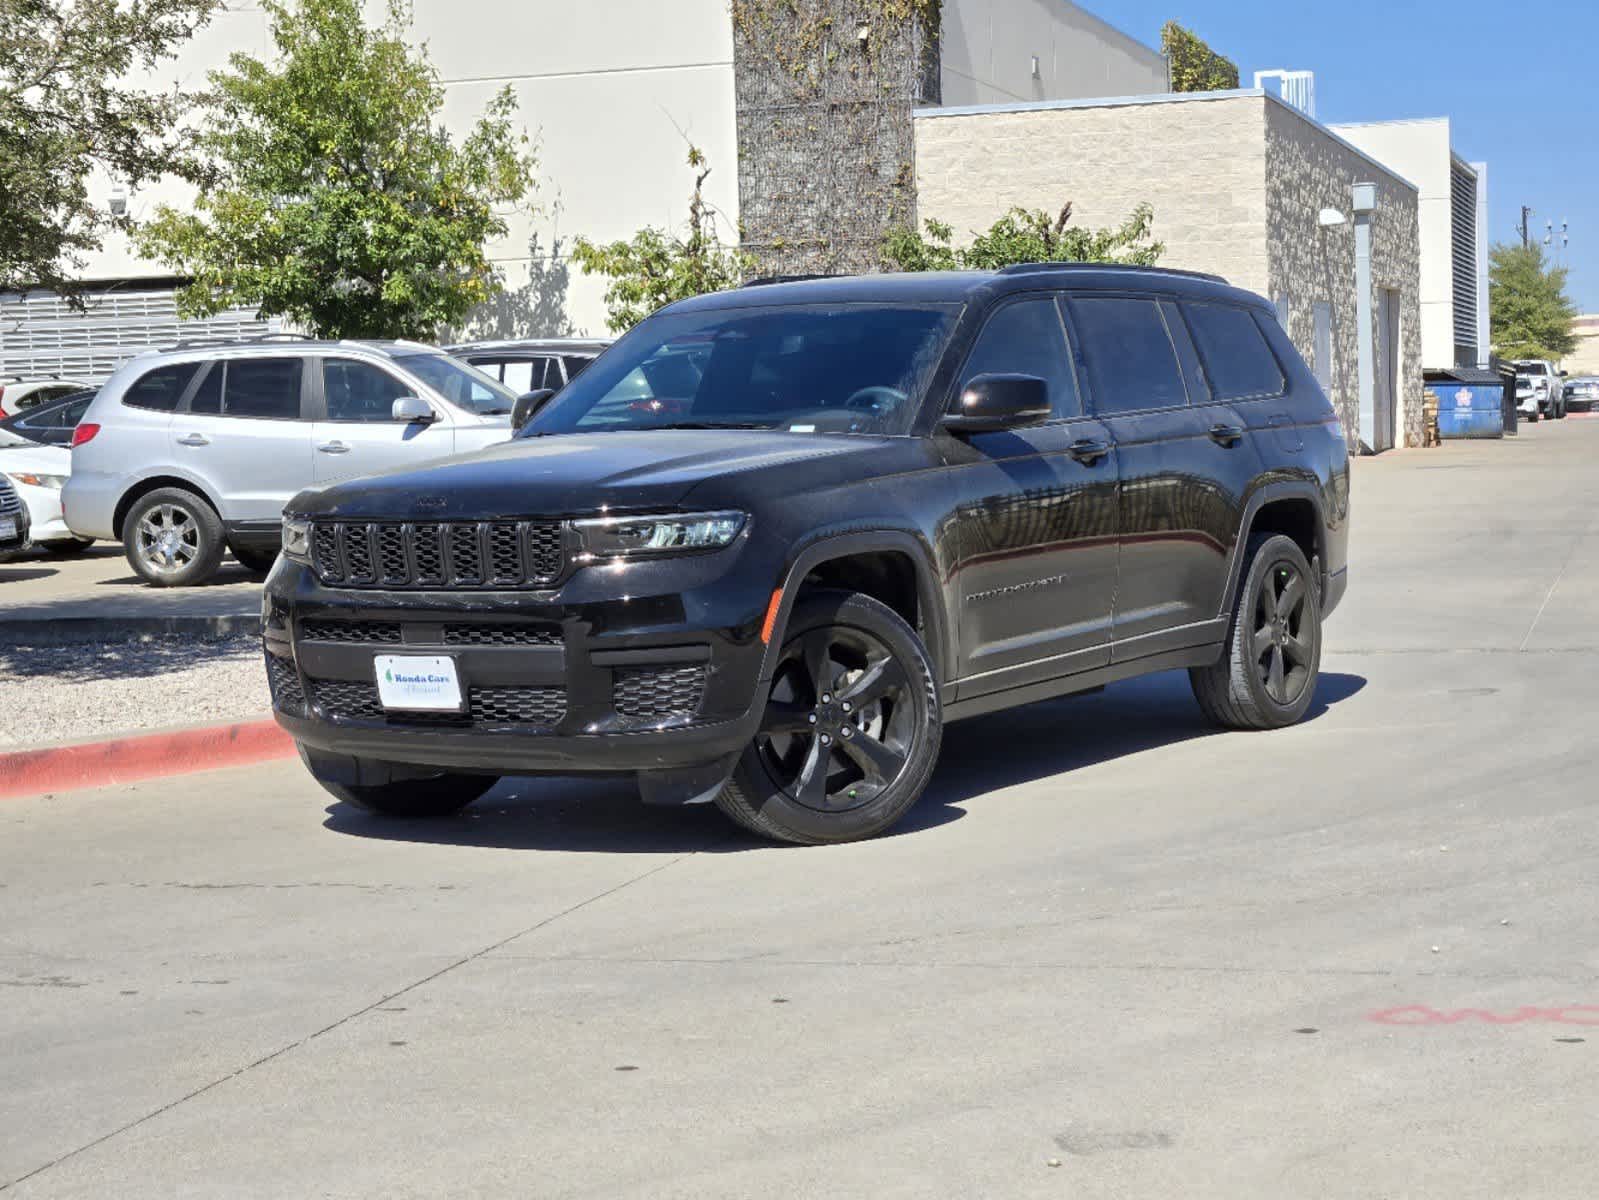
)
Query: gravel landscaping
[{"x": 65, "y": 693}]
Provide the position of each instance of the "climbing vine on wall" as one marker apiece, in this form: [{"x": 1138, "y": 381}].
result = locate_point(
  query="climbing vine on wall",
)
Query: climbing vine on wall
[
  {"x": 1194, "y": 66},
  {"x": 825, "y": 91}
]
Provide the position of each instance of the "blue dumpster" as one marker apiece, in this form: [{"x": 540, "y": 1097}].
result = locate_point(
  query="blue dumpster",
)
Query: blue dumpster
[{"x": 1471, "y": 402}]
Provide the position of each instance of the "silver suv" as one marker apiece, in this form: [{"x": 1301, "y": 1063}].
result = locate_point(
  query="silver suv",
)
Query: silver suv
[{"x": 190, "y": 450}]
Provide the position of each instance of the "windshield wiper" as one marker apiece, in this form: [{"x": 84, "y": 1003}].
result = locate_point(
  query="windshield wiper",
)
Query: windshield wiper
[{"x": 708, "y": 425}]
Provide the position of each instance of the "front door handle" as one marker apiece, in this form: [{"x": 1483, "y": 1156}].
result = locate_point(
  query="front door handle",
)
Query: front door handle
[
  {"x": 333, "y": 448},
  {"x": 1088, "y": 450},
  {"x": 1226, "y": 435},
  {"x": 194, "y": 439}
]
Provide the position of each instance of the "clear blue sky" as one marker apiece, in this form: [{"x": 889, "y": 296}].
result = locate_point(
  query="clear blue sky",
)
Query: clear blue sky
[{"x": 1519, "y": 82}]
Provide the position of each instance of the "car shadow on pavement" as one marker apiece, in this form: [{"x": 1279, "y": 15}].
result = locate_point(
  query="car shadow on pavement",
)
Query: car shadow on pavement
[
  {"x": 228, "y": 573},
  {"x": 10, "y": 574},
  {"x": 982, "y": 755}
]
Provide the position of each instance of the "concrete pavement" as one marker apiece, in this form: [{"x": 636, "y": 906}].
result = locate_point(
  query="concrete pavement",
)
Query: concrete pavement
[
  {"x": 1352, "y": 958},
  {"x": 99, "y": 585}
]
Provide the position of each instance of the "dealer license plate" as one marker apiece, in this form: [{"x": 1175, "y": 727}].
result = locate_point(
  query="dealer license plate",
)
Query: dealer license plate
[
  {"x": 418, "y": 682},
  {"x": 8, "y": 528}
]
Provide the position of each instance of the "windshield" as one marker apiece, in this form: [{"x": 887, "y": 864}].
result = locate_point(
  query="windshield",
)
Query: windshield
[
  {"x": 839, "y": 368},
  {"x": 463, "y": 386},
  {"x": 1533, "y": 368}
]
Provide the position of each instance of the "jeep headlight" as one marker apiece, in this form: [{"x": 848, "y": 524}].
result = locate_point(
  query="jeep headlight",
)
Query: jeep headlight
[
  {"x": 297, "y": 539},
  {"x": 672, "y": 533}
]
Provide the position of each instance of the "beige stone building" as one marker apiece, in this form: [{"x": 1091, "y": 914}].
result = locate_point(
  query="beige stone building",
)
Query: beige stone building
[
  {"x": 1584, "y": 360},
  {"x": 1241, "y": 184}
]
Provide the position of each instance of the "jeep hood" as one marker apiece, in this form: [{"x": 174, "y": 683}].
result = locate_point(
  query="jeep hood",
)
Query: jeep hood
[{"x": 575, "y": 473}]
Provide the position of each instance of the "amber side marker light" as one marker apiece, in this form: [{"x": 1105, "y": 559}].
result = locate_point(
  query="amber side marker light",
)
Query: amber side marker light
[{"x": 771, "y": 617}]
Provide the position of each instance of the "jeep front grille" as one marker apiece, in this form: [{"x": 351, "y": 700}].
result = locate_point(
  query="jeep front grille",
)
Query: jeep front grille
[{"x": 445, "y": 555}]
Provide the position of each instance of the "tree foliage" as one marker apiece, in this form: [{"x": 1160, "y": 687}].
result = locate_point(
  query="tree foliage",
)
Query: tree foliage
[
  {"x": 67, "y": 109},
  {"x": 1194, "y": 66},
  {"x": 1529, "y": 313},
  {"x": 340, "y": 201},
  {"x": 1024, "y": 235},
  {"x": 656, "y": 267}
]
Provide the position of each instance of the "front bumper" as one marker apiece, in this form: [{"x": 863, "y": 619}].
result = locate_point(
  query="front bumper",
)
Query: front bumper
[
  {"x": 44, "y": 511},
  {"x": 658, "y": 674}
]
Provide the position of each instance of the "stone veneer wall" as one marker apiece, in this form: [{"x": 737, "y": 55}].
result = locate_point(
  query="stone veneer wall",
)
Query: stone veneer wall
[
  {"x": 1237, "y": 182},
  {"x": 1308, "y": 169}
]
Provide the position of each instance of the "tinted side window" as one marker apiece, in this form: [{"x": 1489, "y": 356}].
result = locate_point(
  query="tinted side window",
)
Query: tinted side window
[
  {"x": 262, "y": 387},
  {"x": 574, "y": 365},
  {"x": 160, "y": 389},
  {"x": 1236, "y": 355},
  {"x": 1129, "y": 355},
  {"x": 1027, "y": 338},
  {"x": 359, "y": 391}
]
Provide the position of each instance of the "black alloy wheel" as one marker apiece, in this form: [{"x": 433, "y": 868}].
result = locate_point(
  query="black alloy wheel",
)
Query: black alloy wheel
[
  {"x": 850, "y": 731},
  {"x": 1284, "y": 656},
  {"x": 838, "y": 728}
]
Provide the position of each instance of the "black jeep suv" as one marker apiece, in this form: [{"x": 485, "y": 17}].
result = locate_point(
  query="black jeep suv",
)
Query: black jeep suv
[{"x": 774, "y": 538}]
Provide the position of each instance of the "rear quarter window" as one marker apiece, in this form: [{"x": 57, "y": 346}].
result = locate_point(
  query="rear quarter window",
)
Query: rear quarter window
[
  {"x": 1236, "y": 355},
  {"x": 160, "y": 390}
]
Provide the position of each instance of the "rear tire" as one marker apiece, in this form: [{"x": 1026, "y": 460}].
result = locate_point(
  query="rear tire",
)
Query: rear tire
[
  {"x": 173, "y": 538},
  {"x": 851, "y": 731},
  {"x": 1266, "y": 676}
]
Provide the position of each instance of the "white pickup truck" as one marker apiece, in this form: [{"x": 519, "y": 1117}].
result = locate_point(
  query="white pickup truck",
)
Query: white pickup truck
[{"x": 1540, "y": 389}]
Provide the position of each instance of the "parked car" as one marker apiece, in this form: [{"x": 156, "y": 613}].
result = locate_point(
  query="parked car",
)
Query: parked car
[
  {"x": 532, "y": 364},
  {"x": 1539, "y": 391},
  {"x": 1582, "y": 393},
  {"x": 51, "y": 423},
  {"x": 13, "y": 520},
  {"x": 37, "y": 474},
  {"x": 19, "y": 395},
  {"x": 186, "y": 451},
  {"x": 884, "y": 503}
]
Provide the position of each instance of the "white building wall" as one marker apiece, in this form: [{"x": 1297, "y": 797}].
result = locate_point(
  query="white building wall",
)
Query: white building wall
[
  {"x": 988, "y": 48},
  {"x": 1420, "y": 151},
  {"x": 613, "y": 91}
]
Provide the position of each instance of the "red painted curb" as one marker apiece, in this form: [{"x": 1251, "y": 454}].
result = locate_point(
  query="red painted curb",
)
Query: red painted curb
[{"x": 150, "y": 756}]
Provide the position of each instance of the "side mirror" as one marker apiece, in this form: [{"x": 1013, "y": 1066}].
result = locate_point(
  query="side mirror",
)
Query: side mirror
[
  {"x": 1565, "y": 374},
  {"x": 527, "y": 406},
  {"x": 413, "y": 409},
  {"x": 994, "y": 402}
]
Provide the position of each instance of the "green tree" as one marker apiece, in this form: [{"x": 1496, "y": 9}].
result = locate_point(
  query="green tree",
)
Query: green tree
[
  {"x": 1529, "y": 313},
  {"x": 339, "y": 200},
  {"x": 656, "y": 267},
  {"x": 1194, "y": 66},
  {"x": 1024, "y": 235},
  {"x": 67, "y": 108}
]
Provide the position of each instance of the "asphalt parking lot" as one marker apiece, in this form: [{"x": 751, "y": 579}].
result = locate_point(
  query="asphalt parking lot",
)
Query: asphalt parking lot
[{"x": 1113, "y": 953}]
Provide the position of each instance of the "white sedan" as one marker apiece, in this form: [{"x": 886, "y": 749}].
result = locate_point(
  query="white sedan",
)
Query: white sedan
[{"x": 38, "y": 472}]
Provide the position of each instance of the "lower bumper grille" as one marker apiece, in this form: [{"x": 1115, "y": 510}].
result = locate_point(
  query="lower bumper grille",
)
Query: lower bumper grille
[
  {"x": 284, "y": 681},
  {"x": 522, "y": 707},
  {"x": 521, "y": 633},
  {"x": 652, "y": 694}
]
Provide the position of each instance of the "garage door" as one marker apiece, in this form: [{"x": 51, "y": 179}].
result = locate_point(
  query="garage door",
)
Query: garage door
[{"x": 41, "y": 336}]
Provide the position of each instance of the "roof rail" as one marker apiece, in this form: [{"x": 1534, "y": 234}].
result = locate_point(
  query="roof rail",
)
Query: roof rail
[
  {"x": 221, "y": 339},
  {"x": 763, "y": 280},
  {"x": 1025, "y": 268}
]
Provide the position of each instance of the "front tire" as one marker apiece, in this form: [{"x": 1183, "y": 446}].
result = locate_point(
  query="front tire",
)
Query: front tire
[
  {"x": 173, "y": 538},
  {"x": 851, "y": 730},
  {"x": 1266, "y": 676}
]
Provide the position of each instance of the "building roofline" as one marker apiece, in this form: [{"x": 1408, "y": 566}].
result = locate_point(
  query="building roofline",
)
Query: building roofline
[
  {"x": 1393, "y": 121},
  {"x": 974, "y": 110}
]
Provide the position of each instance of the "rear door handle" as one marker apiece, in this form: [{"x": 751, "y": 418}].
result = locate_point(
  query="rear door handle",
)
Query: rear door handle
[
  {"x": 1088, "y": 450},
  {"x": 333, "y": 448},
  {"x": 194, "y": 439},
  {"x": 1226, "y": 435}
]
